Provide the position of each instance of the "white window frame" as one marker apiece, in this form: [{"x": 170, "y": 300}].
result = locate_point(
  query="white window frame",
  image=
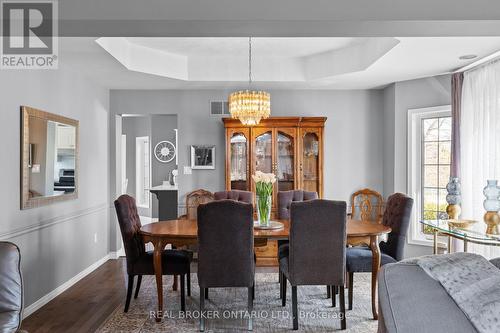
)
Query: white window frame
[
  {"x": 139, "y": 170},
  {"x": 415, "y": 117}
]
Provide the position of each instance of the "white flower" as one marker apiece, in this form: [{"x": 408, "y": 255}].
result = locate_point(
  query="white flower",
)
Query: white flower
[{"x": 267, "y": 178}]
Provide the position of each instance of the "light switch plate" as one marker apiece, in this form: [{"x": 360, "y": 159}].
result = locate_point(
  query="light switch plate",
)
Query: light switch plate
[{"x": 187, "y": 170}]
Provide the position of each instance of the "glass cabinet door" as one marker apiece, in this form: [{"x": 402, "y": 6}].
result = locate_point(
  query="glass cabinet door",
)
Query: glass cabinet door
[
  {"x": 285, "y": 165},
  {"x": 239, "y": 161},
  {"x": 263, "y": 152},
  {"x": 310, "y": 161}
]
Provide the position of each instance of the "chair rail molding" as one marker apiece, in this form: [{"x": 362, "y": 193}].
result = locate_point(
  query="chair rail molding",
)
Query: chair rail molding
[{"x": 53, "y": 221}]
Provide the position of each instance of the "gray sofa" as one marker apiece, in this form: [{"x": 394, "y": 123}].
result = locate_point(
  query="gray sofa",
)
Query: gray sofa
[{"x": 412, "y": 301}]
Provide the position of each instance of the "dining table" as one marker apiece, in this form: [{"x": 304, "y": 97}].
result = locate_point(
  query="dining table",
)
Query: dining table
[{"x": 180, "y": 232}]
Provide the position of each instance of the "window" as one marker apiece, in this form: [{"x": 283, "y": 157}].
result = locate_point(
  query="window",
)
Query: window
[
  {"x": 435, "y": 166},
  {"x": 429, "y": 160}
]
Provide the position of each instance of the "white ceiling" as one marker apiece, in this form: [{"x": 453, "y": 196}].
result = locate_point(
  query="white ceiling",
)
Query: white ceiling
[
  {"x": 279, "y": 63},
  {"x": 235, "y": 46}
]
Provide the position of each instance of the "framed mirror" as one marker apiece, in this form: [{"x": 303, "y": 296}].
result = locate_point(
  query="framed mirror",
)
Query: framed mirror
[{"x": 49, "y": 158}]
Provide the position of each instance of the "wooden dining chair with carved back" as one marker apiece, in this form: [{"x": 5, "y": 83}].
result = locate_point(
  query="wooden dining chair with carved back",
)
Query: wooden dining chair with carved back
[
  {"x": 397, "y": 216},
  {"x": 367, "y": 205},
  {"x": 193, "y": 200}
]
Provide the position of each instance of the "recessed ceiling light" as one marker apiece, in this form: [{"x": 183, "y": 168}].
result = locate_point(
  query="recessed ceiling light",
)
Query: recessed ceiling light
[{"x": 467, "y": 57}]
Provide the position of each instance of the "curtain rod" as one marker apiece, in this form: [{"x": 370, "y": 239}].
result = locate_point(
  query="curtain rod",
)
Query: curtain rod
[{"x": 488, "y": 60}]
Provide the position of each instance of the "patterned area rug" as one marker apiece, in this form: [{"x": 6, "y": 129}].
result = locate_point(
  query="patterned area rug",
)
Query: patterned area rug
[{"x": 315, "y": 310}]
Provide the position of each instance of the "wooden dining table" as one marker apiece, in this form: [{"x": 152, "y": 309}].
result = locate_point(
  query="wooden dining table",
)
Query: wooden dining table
[{"x": 185, "y": 232}]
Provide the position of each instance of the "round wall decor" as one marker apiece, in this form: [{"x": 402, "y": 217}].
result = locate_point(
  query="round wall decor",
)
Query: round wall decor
[{"x": 165, "y": 151}]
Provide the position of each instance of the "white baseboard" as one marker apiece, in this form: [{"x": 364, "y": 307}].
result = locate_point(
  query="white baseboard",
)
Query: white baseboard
[{"x": 65, "y": 286}]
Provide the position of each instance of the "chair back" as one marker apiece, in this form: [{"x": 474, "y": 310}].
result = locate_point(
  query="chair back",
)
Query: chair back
[
  {"x": 130, "y": 226},
  {"x": 317, "y": 242},
  {"x": 225, "y": 244},
  {"x": 194, "y": 199},
  {"x": 367, "y": 205},
  {"x": 285, "y": 199},
  {"x": 11, "y": 288},
  {"x": 237, "y": 195},
  {"x": 397, "y": 216}
]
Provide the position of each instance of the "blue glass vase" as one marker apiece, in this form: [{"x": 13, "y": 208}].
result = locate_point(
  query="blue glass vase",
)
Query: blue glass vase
[{"x": 492, "y": 194}]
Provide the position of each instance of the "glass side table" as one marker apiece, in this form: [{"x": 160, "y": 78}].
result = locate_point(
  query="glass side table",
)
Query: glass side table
[{"x": 467, "y": 235}]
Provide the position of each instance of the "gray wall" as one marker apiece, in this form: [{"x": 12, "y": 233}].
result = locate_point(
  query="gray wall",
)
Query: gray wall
[
  {"x": 399, "y": 98},
  {"x": 56, "y": 241},
  {"x": 162, "y": 128},
  {"x": 353, "y": 133}
]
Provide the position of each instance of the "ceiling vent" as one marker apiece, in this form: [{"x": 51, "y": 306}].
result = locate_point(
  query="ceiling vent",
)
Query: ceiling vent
[{"x": 219, "y": 109}]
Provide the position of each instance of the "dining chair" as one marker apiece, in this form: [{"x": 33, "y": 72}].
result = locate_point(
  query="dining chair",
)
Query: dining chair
[
  {"x": 11, "y": 288},
  {"x": 397, "y": 216},
  {"x": 139, "y": 261},
  {"x": 366, "y": 205},
  {"x": 317, "y": 250},
  {"x": 285, "y": 199},
  {"x": 193, "y": 200},
  {"x": 225, "y": 249},
  {"x": 242, "y": 196}
]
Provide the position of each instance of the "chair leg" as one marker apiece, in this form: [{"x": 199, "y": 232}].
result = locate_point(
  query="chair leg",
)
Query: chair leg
[
  {"x": 139, "y": 280},
  {"x": 334, "y": 296},
  {"x": 129, "y": 292},
  {"x": 343, "y": 322},
  {"x": 284, "y": 285},
  {"x": 251, "y": 297},
  {"x": 294, "y": 308},
  {"x": 350, "y": 290},
  {"x": 183, "y": 293},
  {"x": 189, "y": 282},
  {"x": 202, "y": 309},
  {"x": 328, "y": 293},
  {"x": 206, "y": 293},
  {"x": 280, "y": 282}
]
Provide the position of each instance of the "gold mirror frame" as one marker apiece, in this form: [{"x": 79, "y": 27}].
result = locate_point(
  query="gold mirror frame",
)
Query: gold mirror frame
[{"x": 26, "y": 201}]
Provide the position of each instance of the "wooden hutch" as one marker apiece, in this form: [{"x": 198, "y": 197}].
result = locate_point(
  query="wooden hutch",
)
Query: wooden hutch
[{"x": 290, "y": 147}]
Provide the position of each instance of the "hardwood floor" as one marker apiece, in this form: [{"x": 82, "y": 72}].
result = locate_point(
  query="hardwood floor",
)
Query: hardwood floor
[{"x": 86, "y": 305}]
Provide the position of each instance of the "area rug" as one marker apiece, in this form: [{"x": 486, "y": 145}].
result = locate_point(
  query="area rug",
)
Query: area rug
[{"x": 228, "y": 309}]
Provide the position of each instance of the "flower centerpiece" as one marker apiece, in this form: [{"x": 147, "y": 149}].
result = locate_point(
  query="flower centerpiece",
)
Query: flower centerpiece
[{"x": 264, "y": 190}]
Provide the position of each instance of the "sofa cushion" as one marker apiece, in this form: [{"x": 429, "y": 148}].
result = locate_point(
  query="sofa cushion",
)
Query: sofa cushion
[
  {"x": 412, "y": 301},
  {"x": 11, "y": 287}
]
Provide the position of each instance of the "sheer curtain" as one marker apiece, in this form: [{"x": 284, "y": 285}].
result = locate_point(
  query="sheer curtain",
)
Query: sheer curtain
[{"x": 479, "y": 143}]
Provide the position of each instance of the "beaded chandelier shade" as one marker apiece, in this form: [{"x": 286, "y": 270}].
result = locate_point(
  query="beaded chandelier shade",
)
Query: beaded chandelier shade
[{"x": 250, "y": 106}]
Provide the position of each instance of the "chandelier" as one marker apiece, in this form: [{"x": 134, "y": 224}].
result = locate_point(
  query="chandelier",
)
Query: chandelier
[{"x": 250, "y": 106}]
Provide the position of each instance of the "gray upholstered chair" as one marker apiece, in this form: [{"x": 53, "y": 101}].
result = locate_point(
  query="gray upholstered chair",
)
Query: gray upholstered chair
[
  {"x": 285, "y": 199},
  {"x": 140, "y": 262},
  {"x": 11, "y": 288},
  {"x": 317, "y": 250},
  {"x": 237, "y": 195},
  {"x": 397, "y": 216},
  {"x": 225, "y": 249}
]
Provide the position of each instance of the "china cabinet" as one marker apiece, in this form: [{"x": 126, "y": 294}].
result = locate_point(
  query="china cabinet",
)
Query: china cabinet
[{"x": 289, "y": 147}]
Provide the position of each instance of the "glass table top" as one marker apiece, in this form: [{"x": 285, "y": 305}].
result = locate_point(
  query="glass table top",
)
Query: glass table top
[{"x": 475, "y": 231}]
